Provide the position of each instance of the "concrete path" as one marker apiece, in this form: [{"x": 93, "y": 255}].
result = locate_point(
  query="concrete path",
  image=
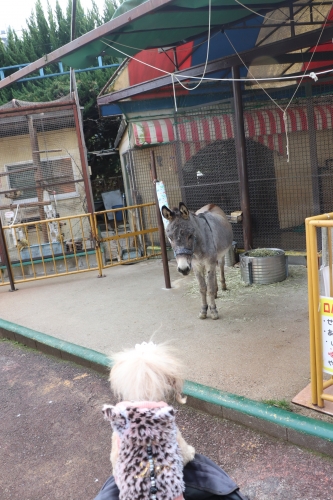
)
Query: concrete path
[
  {"x": 259, "y": 348},
  {"x": 54, "y": 443}
]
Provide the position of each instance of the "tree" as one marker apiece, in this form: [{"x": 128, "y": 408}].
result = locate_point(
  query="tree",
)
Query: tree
[{"x": 44, "y": 33}]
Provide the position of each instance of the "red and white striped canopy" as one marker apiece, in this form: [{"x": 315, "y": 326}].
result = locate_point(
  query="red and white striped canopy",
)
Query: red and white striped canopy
[
  {"x": 153, "y": 132},
  {"x": 264, "y": 126}
]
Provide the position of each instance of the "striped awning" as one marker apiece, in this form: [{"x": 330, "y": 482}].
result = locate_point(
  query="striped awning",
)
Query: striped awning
[
  {"x": 265, "y": 126},
  {"x": 153, "y": 132}
]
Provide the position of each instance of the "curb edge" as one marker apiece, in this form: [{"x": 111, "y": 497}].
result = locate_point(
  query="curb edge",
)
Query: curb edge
[{"x": 297, "y": 429}]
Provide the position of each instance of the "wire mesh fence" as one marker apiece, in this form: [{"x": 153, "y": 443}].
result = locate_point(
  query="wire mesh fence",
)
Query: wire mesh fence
[
  {"x": 74, "y": 244},
  {"x": 41, "y": 171},
  {"x": 289, "y": 162}
]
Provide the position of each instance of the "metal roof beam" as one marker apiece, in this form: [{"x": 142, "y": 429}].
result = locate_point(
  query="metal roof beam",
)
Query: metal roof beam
[
  {"x": 273, "y": 49},
  {"x": 147, "y": 7}
]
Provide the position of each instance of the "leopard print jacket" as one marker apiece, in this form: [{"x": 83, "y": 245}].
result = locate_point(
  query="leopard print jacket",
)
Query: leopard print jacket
[{"x": 149, "y": 465}]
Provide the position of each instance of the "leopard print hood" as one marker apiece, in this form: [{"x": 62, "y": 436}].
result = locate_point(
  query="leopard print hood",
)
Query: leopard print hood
[{"x": 149, "y": 464}]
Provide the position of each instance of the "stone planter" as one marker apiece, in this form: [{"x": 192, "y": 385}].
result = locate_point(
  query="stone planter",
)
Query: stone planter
[{"x": 264, "y": 270}]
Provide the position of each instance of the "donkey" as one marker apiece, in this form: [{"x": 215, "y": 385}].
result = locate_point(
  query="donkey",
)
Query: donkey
[{"x": 201, "y": 240}]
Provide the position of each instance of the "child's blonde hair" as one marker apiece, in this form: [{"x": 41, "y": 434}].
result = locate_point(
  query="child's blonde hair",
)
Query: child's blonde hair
[{"x": 149, "y": 372}]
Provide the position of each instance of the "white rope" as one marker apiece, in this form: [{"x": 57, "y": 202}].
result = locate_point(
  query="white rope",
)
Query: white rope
[
  {"x": 207, "y": 53},
  {"x": 173, "y": 76},
  {"x": 260, "y": 15},
  {"x": 313, "y": 53},
  {"x": 188, "y": 77},
  {"x": 272, "y": 18},
  {"x": 174, "y": 93},
  {"x": 311, "y": 75},
  {"x": 179, "y": 48}
]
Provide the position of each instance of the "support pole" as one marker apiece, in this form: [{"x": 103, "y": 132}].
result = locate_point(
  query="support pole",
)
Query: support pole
[
  {"x": 241, "y": 159},
  {"x": 72, "y": 38},
  {"x": 84, "y": 163},
  {"x": 160, "y": 225},
  {"x": 5, "y": 258},
  {"x": 38, "y": 173}
]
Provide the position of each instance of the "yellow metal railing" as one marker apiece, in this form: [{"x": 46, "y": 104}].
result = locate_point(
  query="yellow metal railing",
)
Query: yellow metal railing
[
  {"x": 318, "y": 384},
  {"x": 127, "y": 234},
  {"x": 80, "y": 243},
  {"x": 51, "y": 248}
]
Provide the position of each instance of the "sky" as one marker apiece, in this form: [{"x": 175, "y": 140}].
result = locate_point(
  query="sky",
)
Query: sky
[{"x": 14, "y": 12}]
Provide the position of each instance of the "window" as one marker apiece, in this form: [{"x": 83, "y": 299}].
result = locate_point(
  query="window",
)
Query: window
[{"x": 56, "y": 177}]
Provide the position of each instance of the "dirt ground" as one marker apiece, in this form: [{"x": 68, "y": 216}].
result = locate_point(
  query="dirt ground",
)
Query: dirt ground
[
  {"x": 258, "y": 348},
  {"x": 55, "y": 445}
]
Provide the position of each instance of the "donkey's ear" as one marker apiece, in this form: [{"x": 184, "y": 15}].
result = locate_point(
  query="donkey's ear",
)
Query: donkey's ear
[
  {"x": 184, "y": 212},
  {"x": 167, "y": 214}
]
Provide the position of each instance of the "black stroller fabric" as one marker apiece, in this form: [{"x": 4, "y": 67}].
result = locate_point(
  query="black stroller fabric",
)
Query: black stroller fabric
[{"x": 204, "y": 480}]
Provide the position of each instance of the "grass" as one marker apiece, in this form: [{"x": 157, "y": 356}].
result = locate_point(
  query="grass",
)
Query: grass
[{"x": 283, "y": 404}]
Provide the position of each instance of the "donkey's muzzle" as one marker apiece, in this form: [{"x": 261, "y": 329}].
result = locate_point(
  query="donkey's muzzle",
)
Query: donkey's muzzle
[
  {"x": 184, "y": 257},
  {"x": 185, "y": 271}
]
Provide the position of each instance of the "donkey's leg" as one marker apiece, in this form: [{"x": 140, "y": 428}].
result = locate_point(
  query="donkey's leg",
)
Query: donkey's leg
[
  {"x": 211, "y": 290},
  {"x": 224, "y": 286},
  {"x": 216, "y": 285},
  {"x": 200, "y": 275}
]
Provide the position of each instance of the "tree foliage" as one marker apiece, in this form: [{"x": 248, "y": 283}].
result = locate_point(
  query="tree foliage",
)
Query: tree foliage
[{"x": 44, "y": 33}]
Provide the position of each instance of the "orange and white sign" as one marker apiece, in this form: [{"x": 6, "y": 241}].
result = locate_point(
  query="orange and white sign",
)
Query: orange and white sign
[{"x": 326, "y": 313}]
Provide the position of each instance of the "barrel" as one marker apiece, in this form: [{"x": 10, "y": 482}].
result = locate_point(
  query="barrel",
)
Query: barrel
[{"x": 264, "y": 270}]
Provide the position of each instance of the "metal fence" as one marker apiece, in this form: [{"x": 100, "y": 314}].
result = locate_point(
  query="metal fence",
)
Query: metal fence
[
  {"x": 35, "y": 254},
  {"x": 128, "y": 234},
  {"x": 320, "y": 293},
  {"x": 79, "y": 243}
]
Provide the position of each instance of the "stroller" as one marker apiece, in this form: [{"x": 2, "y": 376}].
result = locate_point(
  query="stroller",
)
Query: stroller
[{"x": 204, "y": 480}]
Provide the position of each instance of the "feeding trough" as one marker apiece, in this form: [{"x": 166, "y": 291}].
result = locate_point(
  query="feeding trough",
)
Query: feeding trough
[{"x": 263, "y": 266}]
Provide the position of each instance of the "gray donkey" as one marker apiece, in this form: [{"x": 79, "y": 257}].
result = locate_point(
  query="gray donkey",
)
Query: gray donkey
[{"x": 200, "y": 239}]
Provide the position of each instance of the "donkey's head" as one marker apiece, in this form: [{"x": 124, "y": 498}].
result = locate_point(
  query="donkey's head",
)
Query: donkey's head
[{"x": 181, "y": 233}]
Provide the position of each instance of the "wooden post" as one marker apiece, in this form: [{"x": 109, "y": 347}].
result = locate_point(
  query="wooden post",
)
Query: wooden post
[
  {"x": 38, "y": 173},
  {"x": 241, "y": 159},
  {"x": 82, "y": 148},
  {"x": 5, "y": 258},
  {"x": 160, "y": 226}
]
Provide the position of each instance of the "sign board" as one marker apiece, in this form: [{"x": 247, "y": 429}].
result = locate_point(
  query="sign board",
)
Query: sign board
[
  {"x": 326, "y": 313},
  {"x": 162, "y": 199}
]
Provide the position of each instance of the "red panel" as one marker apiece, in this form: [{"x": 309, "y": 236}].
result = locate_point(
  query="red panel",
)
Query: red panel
[
  {"x": 139, "y": 72},
  {"x": 324, "y": 47}
]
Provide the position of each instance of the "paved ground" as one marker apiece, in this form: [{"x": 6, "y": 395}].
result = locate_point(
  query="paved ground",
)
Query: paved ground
[
  {"x": 54, "y": 443},
  {"x": 259, "y": 348}
]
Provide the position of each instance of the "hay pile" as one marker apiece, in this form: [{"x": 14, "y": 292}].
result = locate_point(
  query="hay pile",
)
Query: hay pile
[
  {"x": 263, "y": 252},
  {"x": 239, "y": 290}
]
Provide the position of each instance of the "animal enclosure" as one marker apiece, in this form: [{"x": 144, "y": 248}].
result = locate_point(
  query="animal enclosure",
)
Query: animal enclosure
[
  {"x": 43, "y": 172},
  {"x": 196, "y": 159}
]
